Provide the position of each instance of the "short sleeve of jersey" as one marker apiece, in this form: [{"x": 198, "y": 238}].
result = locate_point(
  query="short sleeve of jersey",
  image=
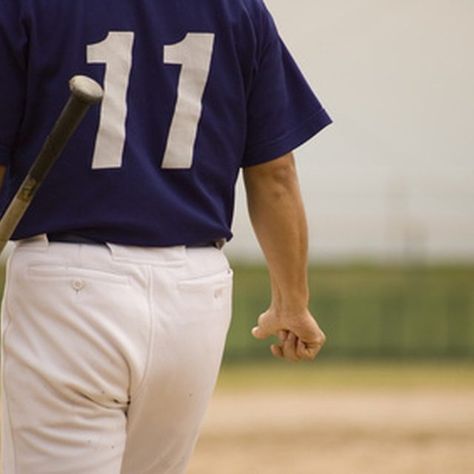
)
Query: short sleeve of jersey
[
  {"x": 282, "y": 110},
  {"x": 13, "y": 45}
]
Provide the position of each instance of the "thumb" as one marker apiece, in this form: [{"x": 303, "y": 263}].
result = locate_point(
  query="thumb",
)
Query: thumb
[
  {"x": 265, "y": 326},
  {"x": 259, "y": 333}
]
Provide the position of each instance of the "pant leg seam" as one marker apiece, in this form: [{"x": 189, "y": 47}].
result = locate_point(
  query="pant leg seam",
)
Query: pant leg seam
[{"x": 141, "y": 384}]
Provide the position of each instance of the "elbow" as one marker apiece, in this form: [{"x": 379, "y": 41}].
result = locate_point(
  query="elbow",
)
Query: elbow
[
  {"x": 276, "y": 175},
  {"x": 283, "y": 172}
]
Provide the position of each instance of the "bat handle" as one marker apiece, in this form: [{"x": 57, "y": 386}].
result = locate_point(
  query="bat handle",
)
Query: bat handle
[{"x": 84, "y": 93}]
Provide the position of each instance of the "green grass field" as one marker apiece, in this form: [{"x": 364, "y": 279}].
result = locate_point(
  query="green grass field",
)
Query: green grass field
[{"x": 371, "y": 311}]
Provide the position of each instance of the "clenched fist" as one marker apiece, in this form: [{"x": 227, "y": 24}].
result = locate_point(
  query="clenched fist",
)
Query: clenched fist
[{"x": 300, "y": 336}]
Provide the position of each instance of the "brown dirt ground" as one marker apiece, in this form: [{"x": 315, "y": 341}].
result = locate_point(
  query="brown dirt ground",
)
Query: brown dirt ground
[{"x": 417, "y": 431}]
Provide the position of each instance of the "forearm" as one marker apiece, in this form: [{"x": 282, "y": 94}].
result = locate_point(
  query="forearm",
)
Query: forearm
[{"x": 278, "y": 218}]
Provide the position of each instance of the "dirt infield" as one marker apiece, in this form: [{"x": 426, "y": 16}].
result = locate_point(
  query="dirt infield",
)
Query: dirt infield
[
  {"x": 340, "y": 419},
  {"x": 417, "y": 431}
]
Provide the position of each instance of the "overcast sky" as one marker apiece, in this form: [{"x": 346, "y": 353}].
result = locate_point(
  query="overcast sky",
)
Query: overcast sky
[{"x": 393, "y": 176}]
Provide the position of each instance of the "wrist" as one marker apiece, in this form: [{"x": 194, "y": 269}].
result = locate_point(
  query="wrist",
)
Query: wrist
[
  {"x": 291, "y": 307},
  {"x": 290, "y": 297}
]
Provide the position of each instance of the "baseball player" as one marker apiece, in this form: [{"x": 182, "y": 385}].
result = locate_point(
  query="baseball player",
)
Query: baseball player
[{"x": 118, "y": 294}]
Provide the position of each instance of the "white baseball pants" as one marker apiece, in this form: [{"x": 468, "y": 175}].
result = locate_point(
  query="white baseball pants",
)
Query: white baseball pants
[{"x": 110, "y": 355}]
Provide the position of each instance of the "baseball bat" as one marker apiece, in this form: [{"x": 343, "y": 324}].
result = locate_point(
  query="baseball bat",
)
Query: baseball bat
[{"x": 84, "y": 93}]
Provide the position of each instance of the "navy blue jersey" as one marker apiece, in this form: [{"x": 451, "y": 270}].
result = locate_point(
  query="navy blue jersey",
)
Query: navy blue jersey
[{"x": 194, "y": 90}]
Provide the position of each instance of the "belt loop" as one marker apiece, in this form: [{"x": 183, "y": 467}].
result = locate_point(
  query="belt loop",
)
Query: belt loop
[
  {"x": 219, "y": 244},
  {"x": 43, "y": 238},
  {"x": 40, "y": 240}
]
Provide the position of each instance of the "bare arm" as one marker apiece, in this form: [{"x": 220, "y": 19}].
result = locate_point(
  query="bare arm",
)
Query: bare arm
[{"x": 278, "y": 218}]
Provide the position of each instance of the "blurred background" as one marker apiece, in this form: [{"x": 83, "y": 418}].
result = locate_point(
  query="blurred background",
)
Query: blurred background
[
  {"x": 389, "y": 192},
  {"x": 389, "y": 187},
  {"x": 392, "y": 178}
]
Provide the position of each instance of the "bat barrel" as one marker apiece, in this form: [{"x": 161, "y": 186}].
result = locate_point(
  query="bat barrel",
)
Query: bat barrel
[
  {"x": 84, "y": 93},
  {"x": 86, "y": 89}
]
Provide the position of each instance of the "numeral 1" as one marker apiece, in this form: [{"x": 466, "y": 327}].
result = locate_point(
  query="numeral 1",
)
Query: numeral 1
[
  {"x": 194, "y": 53},
  {"x": 116, "y": 52}
]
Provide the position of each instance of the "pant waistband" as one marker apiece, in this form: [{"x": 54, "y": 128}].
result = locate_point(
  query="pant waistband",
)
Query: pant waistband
[{"x": 70, "y": 237}]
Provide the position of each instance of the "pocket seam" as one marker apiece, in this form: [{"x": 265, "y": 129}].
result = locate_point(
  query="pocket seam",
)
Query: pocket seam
[
  {"x": 222, "y": 277},
  {"x": 61, "y": 272}
]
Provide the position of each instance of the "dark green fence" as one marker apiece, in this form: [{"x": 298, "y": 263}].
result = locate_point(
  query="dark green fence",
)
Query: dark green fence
[{"x": 389, "y": 312}]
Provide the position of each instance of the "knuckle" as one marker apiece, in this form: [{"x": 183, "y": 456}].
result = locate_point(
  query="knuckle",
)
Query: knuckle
[
  {"x": 291, "y": 356},
  {"x": 321, "y": 339},
  {"x": 311, "y": 355}
]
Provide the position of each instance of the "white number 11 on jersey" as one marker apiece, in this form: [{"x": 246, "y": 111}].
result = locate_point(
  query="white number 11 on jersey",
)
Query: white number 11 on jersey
[{"x": 194, "y": 54}]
